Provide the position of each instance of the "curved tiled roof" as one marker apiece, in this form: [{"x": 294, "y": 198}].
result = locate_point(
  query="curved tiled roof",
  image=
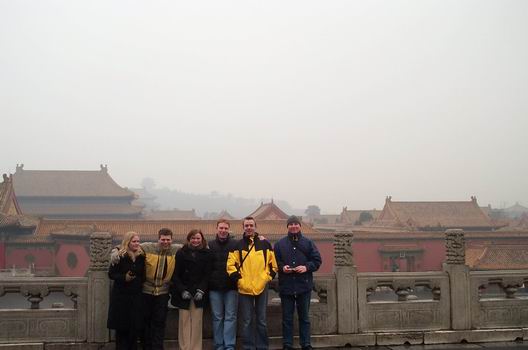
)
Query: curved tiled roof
[
  {"x": 67, "y": 183},
  {"x": 441, "y": 215},
  {"x": 497, "y": 257},
  {"x": 268, "y": 211},
  {"x": 99, "y": 209}
]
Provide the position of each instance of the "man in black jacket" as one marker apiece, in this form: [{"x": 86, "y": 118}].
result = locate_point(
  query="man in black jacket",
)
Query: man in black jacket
[
  {"x": 297, "y": 259},
  {"x": 223, "y": 294}
]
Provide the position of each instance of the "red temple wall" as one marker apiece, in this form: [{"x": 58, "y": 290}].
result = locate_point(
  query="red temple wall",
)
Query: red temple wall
[
  {"x": 24, "y": 257},
  {"x": 72, "y": 260}
]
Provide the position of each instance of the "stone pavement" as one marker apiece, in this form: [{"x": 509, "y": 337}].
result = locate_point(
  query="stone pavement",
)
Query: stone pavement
[{"x": 523, "y": 345}]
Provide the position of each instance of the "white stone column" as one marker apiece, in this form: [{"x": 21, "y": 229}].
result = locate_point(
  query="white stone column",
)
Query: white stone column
[
  {"x": 458, "y": 271},
  {"x": 346, "y": 277},
  {"x": 98, "y": 287}
]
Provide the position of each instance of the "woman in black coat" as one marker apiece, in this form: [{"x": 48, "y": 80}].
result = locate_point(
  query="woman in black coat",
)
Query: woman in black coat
[
  {"x": 189, "y": 288},
  {"x": 125, "y": 313}
]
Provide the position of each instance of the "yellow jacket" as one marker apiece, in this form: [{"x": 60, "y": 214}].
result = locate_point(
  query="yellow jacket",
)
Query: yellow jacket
[
  {"x": 159, "y": 266},
  {"x": 252, "y": 264}
]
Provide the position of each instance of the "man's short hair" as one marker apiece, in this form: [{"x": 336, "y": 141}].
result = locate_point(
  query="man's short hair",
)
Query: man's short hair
[
  {"x": 249, "y": 218},
  {"x": 223, "y": 221},
  {"x": 164, "y": 232}
]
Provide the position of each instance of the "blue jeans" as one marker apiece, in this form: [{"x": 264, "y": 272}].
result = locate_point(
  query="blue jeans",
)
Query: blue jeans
[
  {"x": 224, "y": 306},
  {"x": 288, "y": 303},
  {"x": 254, "y": 305}
]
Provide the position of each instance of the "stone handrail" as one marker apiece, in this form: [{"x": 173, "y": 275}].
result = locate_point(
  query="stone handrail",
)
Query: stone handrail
[
  {"x": 503, "y": 309},
  {"x": 50, "y": 324},
  {"x": 399, "y": 308},
  {"x": 351, "y": 308}
]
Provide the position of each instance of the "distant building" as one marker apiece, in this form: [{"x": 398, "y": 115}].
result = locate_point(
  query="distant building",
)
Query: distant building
[
  {"x": 434, "y": 216},
  {"x": 224, "y": 214},
  {"x": 73, "y": 194},
  {"x": 358, "y": 217},
  {"x": 269, "y": 211},
  {"x": 173, "y": 214},
  {"x": 497, "y": 256},
  {"x": 144, "y": 199},
  {"x": 516, "y": 211},
  {"x": 12, "y": 220},
  {"x": 13, "y": 223}
]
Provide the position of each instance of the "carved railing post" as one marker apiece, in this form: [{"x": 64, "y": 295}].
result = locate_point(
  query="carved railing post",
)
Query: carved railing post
[
  {"x": 458, "y": 271},
  {"x": 346, "y": 276},
  {"x": 98, "y": 287},
  {"x": 34, "y": 294}
]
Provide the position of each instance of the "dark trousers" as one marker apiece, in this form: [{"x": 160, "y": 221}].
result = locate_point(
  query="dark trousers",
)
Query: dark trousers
[
  {"x": 155, "y": 317},
  {"x": 288, "y": 302},
  {"x": 126, "y": 340},
  {"x": 254, "y": 306}
]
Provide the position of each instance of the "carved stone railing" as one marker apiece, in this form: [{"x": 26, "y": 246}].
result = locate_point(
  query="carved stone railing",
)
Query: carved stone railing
[
  {"x": 495, "y": 300},
  {"x": 323, "y": 308},
  {"x": 58, "y": 323},
  {"x": 407, "y": 301},
  {"x": 350, "y": 308}
]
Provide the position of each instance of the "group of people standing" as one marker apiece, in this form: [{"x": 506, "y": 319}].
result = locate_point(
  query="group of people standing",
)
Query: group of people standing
[{"x": 230, "y": 275}]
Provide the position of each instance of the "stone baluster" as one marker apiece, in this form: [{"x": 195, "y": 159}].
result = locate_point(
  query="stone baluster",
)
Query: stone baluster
[
  {"x": 346, "y": 276},
  {"x": 511, "y": 286},
  {"x": 458, "y": 271},
  {"x": 73, "y": 293},
  {"x": 437, "y": 293},
  {"x": 98, "y": 287},
  {"x": 402, "y": 288},
  {"x": 34, "y": 294},
  {"x": 321, "y": 288}
]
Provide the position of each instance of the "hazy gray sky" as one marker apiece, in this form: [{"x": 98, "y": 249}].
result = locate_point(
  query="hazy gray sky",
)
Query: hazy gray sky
[{"x": 335, "y": 103}]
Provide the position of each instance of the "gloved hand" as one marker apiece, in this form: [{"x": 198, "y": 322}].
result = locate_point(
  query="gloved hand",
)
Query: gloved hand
[
  {"x": 185, "y": 295},
  {"x": 199, "y": 295},
  {"x": 235, "y": 276}
]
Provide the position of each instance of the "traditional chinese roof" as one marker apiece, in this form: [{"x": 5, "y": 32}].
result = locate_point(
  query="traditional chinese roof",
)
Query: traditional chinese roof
[
  {"x": 224, "y": 214},
  {"x": 11, "y": 216},
  {"x": 174, "y": 214},
  {"x": 67, "y": 183},
  {"x": 351, "y": 217},
  {"x": 434, "y": 215},
  {"x": 515, "y": 211},
  {"x": 497, "y": 257},
  {"x": 85, "y": 209},
  {"x": 148, "y": 229},
  {"x": 8, "y": 202},
  {"x": 269, "y": 211}
]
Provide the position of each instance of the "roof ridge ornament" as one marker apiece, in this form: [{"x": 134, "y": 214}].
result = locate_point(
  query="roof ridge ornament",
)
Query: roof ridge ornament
[{"x": 104, "y": 168}]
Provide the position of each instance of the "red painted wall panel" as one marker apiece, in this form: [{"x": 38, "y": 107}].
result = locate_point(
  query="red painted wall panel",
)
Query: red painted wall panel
[
  {"x": 72, "y": 260},
  {"x": 23, "y": 257}
]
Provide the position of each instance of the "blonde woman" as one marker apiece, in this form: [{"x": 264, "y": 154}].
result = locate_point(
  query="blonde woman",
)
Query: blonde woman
[{"x": 125, "y": 313}]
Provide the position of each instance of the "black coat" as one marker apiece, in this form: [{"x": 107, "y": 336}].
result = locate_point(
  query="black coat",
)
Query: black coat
[
  {"x": 295, "y": 252},
  {"x": 126, "y": 302},
  {"x": 193, "y": 267},
  {"x": 219, "y": 279}
]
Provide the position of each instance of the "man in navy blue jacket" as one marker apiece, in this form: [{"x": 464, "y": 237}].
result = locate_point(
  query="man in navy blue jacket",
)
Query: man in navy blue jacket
[{"x": 297, "y": 258}]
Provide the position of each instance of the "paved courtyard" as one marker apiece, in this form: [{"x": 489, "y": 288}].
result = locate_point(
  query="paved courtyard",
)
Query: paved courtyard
[{"x": 474, "y": 346}]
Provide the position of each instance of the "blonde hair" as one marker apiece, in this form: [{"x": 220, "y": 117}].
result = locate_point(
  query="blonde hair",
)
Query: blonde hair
[{"x": 127, "y": 237}]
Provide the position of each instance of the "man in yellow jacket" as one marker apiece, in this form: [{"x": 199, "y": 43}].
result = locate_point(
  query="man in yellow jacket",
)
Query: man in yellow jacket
[{"x": 252, "y": 265}]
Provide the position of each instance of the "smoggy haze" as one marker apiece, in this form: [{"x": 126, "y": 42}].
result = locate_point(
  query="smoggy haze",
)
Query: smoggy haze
[{"x": 315, "y": 102}]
